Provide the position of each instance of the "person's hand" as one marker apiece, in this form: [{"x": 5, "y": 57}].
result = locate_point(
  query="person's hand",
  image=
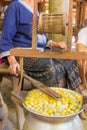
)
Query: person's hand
[
  {"x": 14, "y": 65},
  {"x": 13, "y": 68},
  {"x": 60, "y": 45}
]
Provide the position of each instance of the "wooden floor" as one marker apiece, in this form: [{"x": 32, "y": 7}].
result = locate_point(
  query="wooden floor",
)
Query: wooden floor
[{"x": 6, "y": 88}]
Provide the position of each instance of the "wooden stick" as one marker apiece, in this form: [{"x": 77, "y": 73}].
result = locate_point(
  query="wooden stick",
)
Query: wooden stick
[{"x": 41, "y": 86}]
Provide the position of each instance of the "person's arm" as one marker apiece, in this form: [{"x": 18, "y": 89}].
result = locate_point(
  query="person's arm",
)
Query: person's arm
[
  {"x": 82, "y": 40},
  {"x": 54, "y": 44},
  {"x": 60, "y": 45},
  {"x": 43, "y": 39},
  {"x": 8, "y": 32},
  {"x": 81, "y": 47}
]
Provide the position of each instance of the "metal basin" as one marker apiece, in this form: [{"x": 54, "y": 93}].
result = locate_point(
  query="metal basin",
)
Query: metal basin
[{"x": 35, "y": 121}]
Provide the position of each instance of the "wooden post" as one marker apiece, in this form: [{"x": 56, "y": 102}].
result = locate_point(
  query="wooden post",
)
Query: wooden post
[
  {"x": 78, "y": 12},
  {"x": 69, "y": 44},
  {"x": 83, "y": 11},
  {"x": 34, "y": 27}
]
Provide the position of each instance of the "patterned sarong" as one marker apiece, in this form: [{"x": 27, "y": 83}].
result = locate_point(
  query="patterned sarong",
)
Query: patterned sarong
[{"x": 53, "y": 72}]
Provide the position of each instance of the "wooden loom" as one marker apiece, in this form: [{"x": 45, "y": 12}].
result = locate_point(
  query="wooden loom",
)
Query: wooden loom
[{"x": 22, "y": 52}]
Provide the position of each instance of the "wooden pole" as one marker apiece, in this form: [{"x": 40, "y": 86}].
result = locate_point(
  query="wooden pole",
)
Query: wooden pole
[
  {"x": 34, "y": 26},
  {"x": 70, "y": 26}
]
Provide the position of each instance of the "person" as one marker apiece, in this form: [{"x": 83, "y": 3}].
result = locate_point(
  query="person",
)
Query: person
[
  {"x": 81, "y": 44},
  {"x": 17, "y": 32}
]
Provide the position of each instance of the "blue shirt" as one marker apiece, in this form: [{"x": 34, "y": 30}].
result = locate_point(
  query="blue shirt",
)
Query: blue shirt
[{"x": 17, "y": 28}]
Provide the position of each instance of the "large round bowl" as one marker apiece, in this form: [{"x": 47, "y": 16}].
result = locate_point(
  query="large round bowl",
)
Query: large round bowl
[{"x": 36, "y": 121}]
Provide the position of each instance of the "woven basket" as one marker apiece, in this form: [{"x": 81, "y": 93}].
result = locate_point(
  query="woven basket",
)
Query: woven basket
[{"x": 52, "y": 23}]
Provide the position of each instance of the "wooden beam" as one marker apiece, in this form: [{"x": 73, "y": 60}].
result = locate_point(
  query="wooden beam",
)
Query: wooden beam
[
  {"x": 77, "y": 0},
  {"x": 22, "y": 52}
]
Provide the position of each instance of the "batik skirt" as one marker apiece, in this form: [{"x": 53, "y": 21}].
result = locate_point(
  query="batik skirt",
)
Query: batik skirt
[{"x": 53, "y": 72}]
